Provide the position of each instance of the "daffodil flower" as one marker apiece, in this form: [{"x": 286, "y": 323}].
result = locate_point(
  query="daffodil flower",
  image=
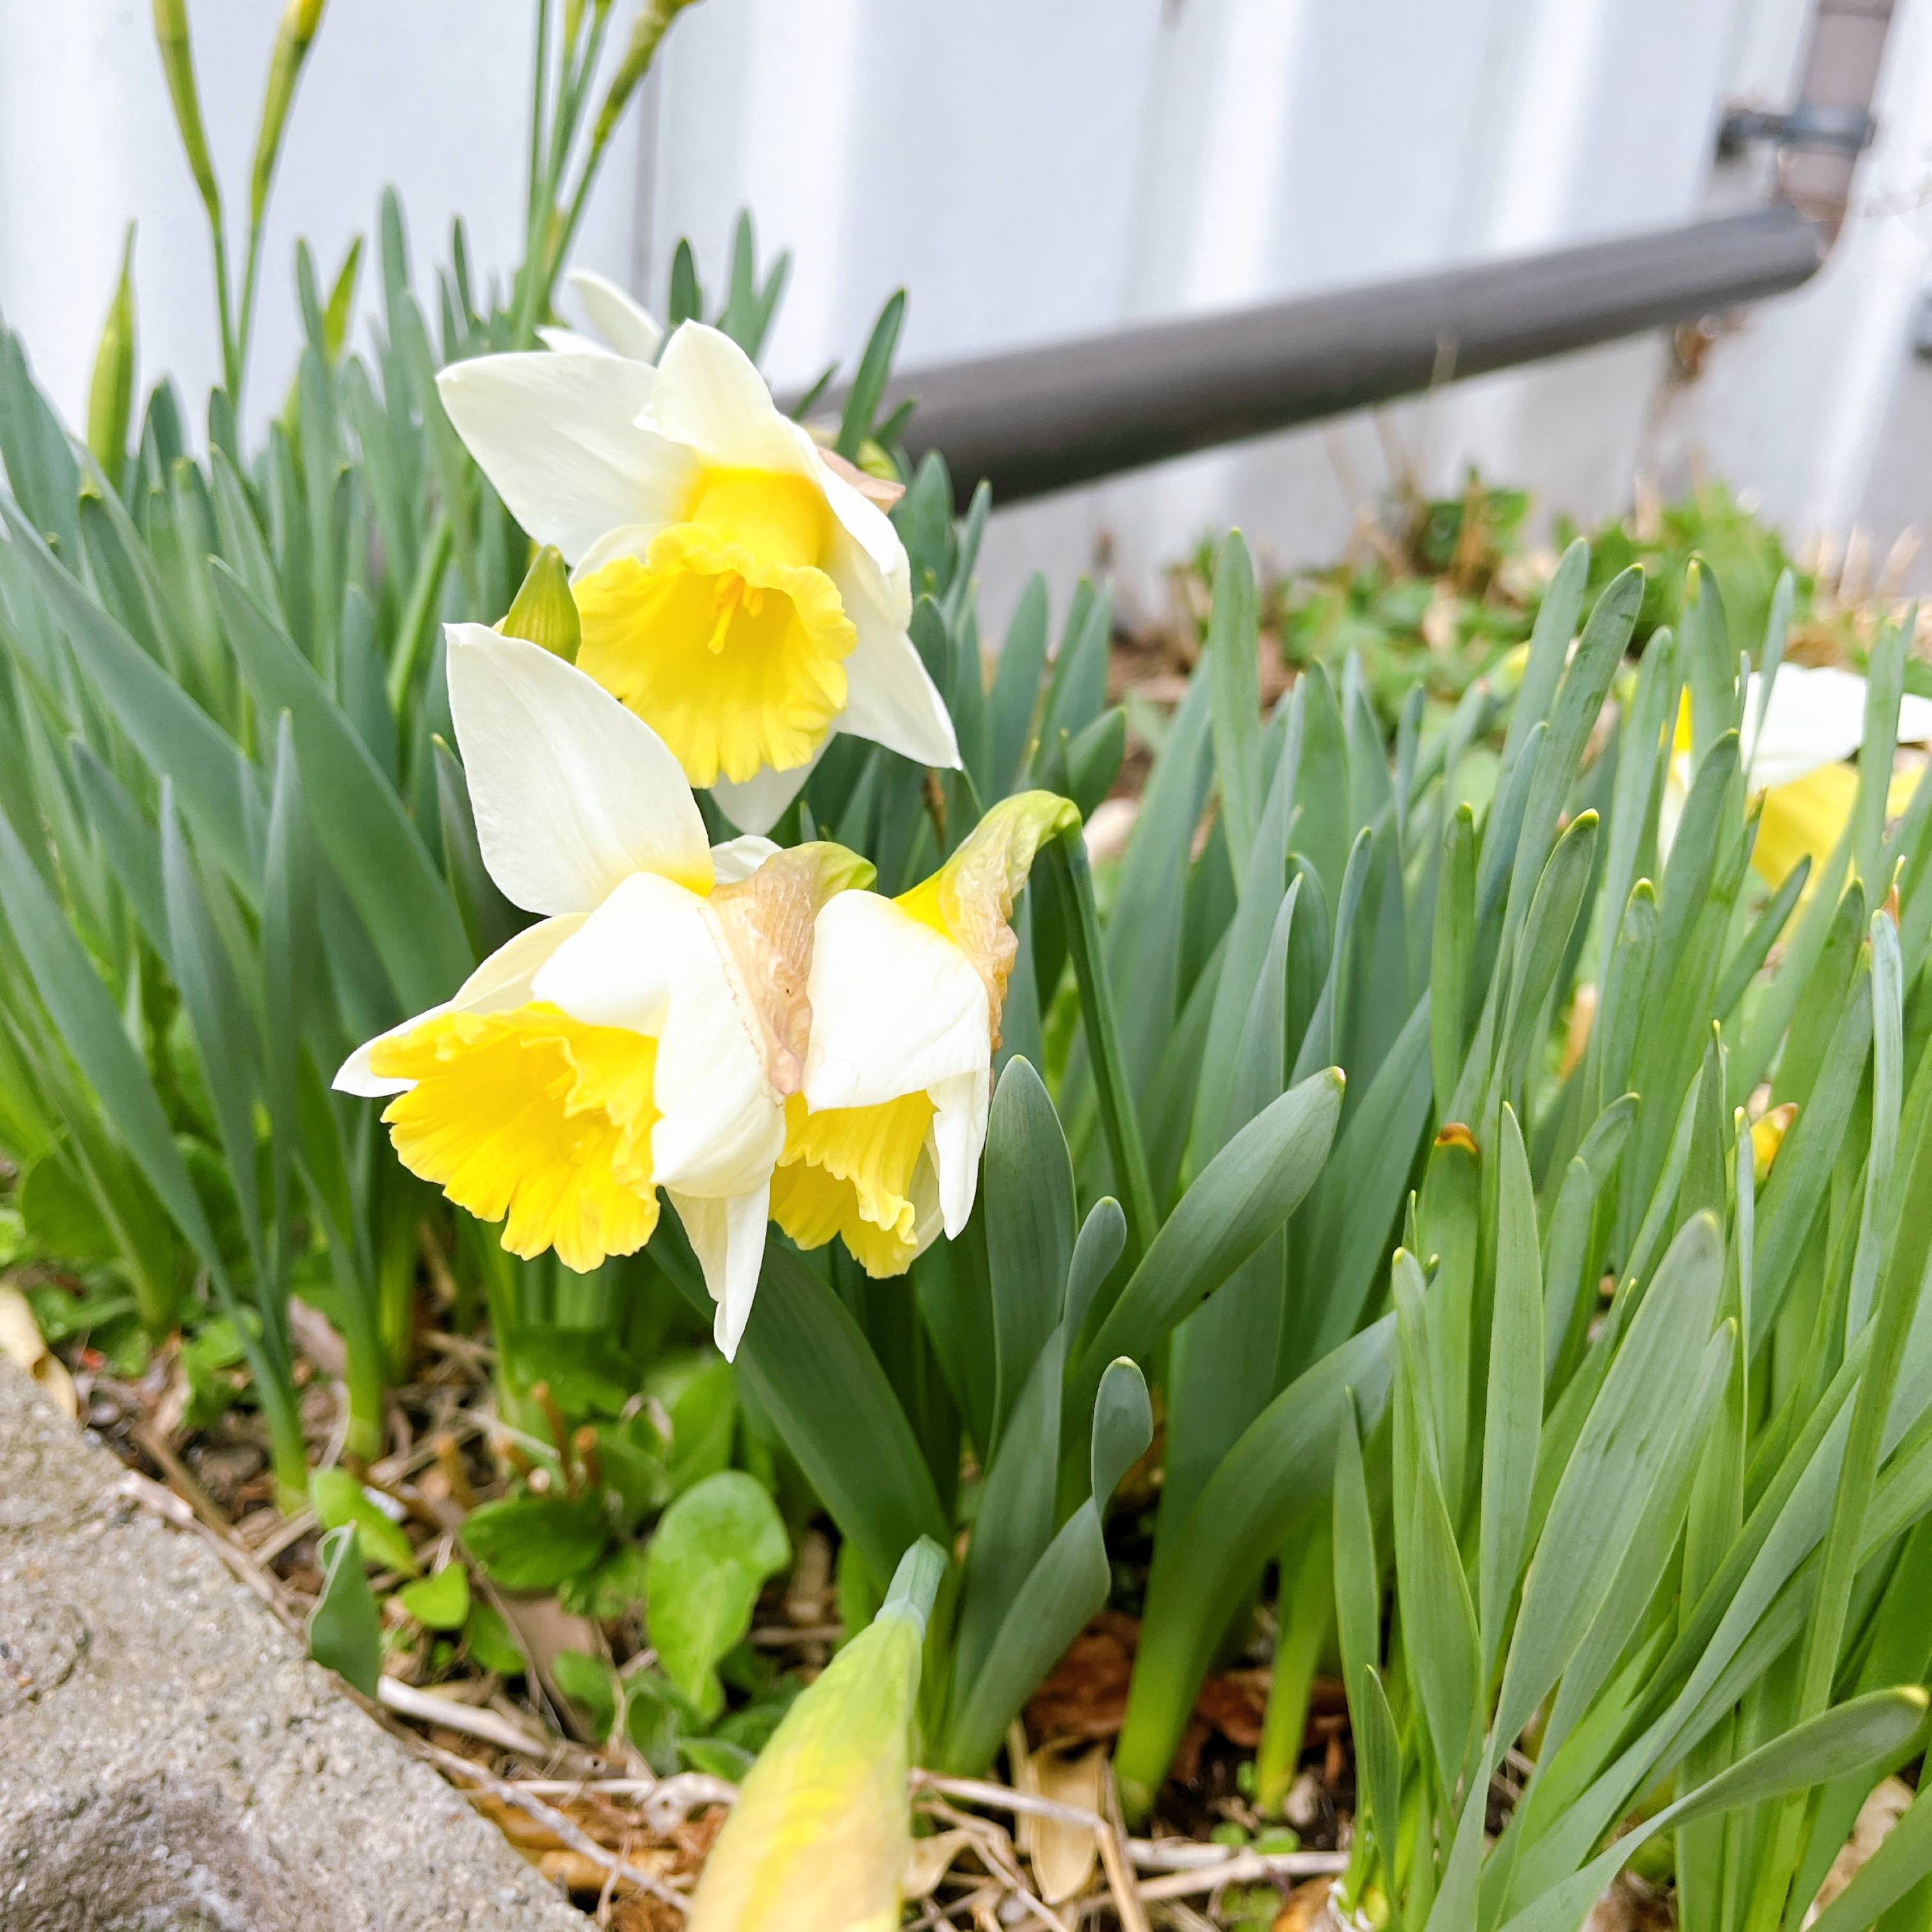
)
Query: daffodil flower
[
  {"x": 883, "y": 1140},
  {"x": 1794, "y": 749},
  {"x": 737, "y": 592},
  {"x": 624, "y": 326},
  {"x": 822, "y": 1828},
  {"x": 646, "y": 1032},
  {"x": 1814, "y": 721}
]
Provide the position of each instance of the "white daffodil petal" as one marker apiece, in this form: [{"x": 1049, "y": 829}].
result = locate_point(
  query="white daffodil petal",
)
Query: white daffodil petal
[
  {"x": 570, "y": 342},
  {"x": 572, "y": 793},
  {"x": 625, "y": 325},
  {"x": 758, "y": 802},
  {"x": 890, "y": 698},
  {"x": 959, "y": 1135},
  {"x": 928, "y": 1215},
  {"x": 626, "y": 540},
  {"x": 502, "y": 981},
  {"x": 871, "y": 534},
  {"x": 727, "y": 1235},
  {"x": 710, "y": 395},
  {"x": 557, "y": 435},
  {"x": 1816, "y": 717},
  {"x": 650, "y": 958},
  {"x": 738, "y": 859},
  {"x": 896, "y": 1007}
]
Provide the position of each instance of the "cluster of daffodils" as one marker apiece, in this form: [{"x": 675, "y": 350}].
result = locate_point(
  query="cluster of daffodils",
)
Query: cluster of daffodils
[
  {"x": 746, "y": 1028},
  {"x": 739, "y": 590}
]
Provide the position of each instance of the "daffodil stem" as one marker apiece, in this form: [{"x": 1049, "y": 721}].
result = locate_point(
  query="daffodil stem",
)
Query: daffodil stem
[
  {"x": 1068, "y": 857},
  {"x": 539, "y": 90},
  {"x": 419, "y": 618}
]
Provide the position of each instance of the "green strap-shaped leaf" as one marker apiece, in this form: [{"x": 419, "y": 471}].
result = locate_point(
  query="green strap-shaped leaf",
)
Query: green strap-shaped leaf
[
  {"x": 1250, "y": 1189},
  {"x": 91, "y": 1031},
  {"x": 1513, "y": 1422},
  {"x": 1452, "y": 947},
  {"x": 1015, "y": 696},
  {"x": 1222, "y": 1360},
  {"x": 1863, "y": 1731},
  {"x": 1349, "y": 1222},
  {"x": 869, "y": 385},
  {"x": 1607, "y": 1477},
  {"x": 133, "y": 851},
  {"x": 359, "y": 821},
  {"x": 1441, "y": 1645},
  {"x": 1643, "y": 758},
  {"x": 1029, "y": 1184},
  {"x": 1901, "y": 1861},
  {"x": 1234, "y": 669},
  {"x": 1282, "y": 1463},
  {"x": 1066, "y": 1587},
  {"x": 219, "y": 1017},
  {"x": 1014, "y": 1521},
  {"x": 215, "y": 783}
]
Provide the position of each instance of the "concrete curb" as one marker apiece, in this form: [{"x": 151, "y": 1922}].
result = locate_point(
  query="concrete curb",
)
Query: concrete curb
[{"x": 170, "y": 1762}]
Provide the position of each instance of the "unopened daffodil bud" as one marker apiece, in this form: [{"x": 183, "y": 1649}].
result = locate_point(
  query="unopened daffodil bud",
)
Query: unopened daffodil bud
[
  {"x": 110, "y": 395},
  {"x": 1768, "y": 1132},
  {"x": 822, "y": 1828},
  {"x": 300, "y": 20},
  {"x": 543, "y": 612},
  {"x": 646, "y": 1032},
  {"x": 652, "y": 24},
  {"x": 735, "y": 592},
  {"x": 883, "y": 1140},
  {"x": 178, "y": 66}
]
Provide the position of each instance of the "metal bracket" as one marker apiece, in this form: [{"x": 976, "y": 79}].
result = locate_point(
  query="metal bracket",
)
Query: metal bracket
[{"x": 1844, "y": 131}]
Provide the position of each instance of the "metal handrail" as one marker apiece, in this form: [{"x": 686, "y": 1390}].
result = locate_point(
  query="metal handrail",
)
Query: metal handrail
[
  {"x": 1033, "y": 420},
  {"x": 1037, "y": 420}
]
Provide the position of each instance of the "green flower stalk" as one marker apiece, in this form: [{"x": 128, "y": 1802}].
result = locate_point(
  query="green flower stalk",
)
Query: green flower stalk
[
  {"x": 110, "y": 394},
  {"x": 177, "y": 52},
  {"x": 822, "y": 1828},
  {"x": 553, "y": 222},
  {"x": 300, "y": 21},
  {"x": 292, "y": 42},
  {"x": 178, "y": 64},
  {"x": 652, "y": 24}
]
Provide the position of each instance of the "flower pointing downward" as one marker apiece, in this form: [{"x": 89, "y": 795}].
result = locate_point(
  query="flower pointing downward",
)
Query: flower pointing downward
[
  {"x": 646, "y": 1032},
  {"x": 883, "y": 1140},
  {"x": 737, "y": 592}
]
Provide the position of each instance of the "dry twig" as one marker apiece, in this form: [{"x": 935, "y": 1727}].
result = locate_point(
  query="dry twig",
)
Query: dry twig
[
  {"x": 492, "y": 1726},
  {"x": 554, "y": 1820}
]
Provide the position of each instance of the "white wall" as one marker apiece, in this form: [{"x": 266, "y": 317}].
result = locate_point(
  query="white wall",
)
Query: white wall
[{"x": 1031, "y": 172}]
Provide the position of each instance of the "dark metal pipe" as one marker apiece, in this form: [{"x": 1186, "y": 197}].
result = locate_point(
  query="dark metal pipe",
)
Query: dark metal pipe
[{"x": 1039, "y": 420}]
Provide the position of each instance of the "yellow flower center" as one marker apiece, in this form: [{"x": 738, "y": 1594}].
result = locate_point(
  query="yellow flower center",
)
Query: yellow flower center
[
  {"x": 531, "y": 1117},
  {"x": 847, "y": 1172},
  {"x": 728, "y": 639}
]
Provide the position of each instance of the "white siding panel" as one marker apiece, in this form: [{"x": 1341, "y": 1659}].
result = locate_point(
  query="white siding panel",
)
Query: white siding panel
[{"x": 1036, "y": 171}]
